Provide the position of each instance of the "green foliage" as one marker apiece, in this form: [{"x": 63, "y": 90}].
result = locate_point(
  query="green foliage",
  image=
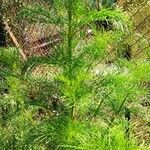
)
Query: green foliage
[{"x": 82, "y": 105}]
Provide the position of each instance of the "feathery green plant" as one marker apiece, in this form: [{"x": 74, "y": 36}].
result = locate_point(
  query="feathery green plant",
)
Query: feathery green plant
[{"x": 82, "y": 106}]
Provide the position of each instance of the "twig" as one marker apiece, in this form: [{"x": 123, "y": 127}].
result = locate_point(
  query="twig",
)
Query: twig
[
  {"x": 47, "y": 44},
  {"x": 12, "y": 36}
]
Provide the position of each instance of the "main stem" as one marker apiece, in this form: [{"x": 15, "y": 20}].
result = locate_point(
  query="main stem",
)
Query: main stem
[
  {"x": 69, "y": 42},
  {"x": 69, "y": 50}
]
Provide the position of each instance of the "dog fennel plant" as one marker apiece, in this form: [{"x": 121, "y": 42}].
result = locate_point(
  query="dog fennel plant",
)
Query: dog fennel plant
[{"x": 82, "y": 105}]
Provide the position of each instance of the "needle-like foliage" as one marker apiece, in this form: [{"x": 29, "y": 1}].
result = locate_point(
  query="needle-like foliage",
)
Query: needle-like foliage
[{"x": 79, "y": 103}]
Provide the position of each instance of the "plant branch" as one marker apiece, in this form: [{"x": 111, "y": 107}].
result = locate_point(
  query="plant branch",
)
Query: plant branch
[
  {"x": 99, "y": 106},
  {"x": 120, "y": 107}
]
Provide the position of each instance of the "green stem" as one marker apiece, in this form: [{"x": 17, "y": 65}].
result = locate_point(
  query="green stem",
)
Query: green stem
[
  {"x": 69, "y": 48},
  {"x": 120, "y": 108},
  {"x": 73, "y": 110},
  {"x": 99, "y": 106},
  {"x": 70, "y": 38}
]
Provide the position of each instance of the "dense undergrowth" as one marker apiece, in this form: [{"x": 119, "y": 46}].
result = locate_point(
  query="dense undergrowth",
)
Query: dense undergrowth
[{"x": 81, "y": 102}]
